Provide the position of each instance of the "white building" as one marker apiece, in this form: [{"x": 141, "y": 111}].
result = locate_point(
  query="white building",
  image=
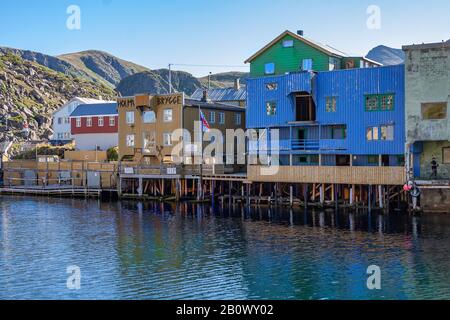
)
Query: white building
[{"x": 61, "y": 121}]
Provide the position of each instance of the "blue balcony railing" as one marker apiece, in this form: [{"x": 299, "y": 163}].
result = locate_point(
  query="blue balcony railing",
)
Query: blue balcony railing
[{"x": 305, "y": 145}]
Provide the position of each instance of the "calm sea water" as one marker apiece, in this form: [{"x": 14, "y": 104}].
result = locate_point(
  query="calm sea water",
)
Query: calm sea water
[{"x": 132, "y": 250}]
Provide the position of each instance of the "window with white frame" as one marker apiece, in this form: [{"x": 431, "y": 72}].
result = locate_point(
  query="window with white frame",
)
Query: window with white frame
[
  {"x": 167, "y": 139},
  {"x": 66, "y": 135},
  {"x": 101, "y": 121},
  {"x": 307, "y": 64},
  {"x": 130, "y": 140},
  {"x": 238, "y": 119},
  {"x": 149, "y": 117},
  {"x": 78, "y": 122},
  {"x": 130, "y": 117},
  {"x": 66, "y": 120},
  {"x": 269, "y": 68},
  {"x": 372, "y": 133},
  {"x": 168, "y": 113},
  {"x": 88, "y": 122},
  {"x": 289, "y": 43},
  {"x": 387, "y": 133},
  {"x": 221, "y": 118},
  {"x": 112, "y": 121},
  {"x": 212, "y": 117}
]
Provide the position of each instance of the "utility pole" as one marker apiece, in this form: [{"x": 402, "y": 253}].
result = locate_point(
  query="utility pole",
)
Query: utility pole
[
  {"x": 170, "y": 78},
  {"x": 200, "y": 181},
  {"x": 209, "y": 81}
]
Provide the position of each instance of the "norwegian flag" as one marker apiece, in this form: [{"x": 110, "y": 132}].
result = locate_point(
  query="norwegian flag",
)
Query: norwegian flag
[{"x": 205, "y": 124}]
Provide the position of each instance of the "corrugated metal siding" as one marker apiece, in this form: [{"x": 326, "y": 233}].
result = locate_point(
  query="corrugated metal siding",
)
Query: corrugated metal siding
[
  {"x": 350, "y": 87},
  {"x": 258, "y": 95}
]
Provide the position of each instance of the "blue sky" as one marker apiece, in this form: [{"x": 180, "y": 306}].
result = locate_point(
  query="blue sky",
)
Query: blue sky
[{"x": 214, "y": 32}]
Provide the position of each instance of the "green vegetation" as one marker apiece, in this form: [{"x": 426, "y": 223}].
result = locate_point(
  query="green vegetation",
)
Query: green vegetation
[
  {"x": 113, "y": 154},
  {"x": 42, "y": 150},
  {"x": 14, "y": 59}
]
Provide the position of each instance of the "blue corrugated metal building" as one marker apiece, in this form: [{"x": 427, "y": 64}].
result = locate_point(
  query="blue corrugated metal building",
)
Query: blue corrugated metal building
[{"x": 343, "y": 117}]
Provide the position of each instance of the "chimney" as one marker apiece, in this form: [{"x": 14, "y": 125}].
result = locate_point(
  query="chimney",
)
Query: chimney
[
  {"x": 300, "y": 33},
  {"x": 205, "y": 96},
  {"x": 237, "y": 84}
]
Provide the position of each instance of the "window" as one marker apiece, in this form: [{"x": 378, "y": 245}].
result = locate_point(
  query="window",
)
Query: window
[
  {"x": 330, "y": 104},
  {"x": 307, "y": 64},
  {"x": 387, "y": 102},
  {"x": 78, "y": 122},
  {"x": 379, "y": 102},
  {"x": 60, "y": 120},
  {"x": 271, "y": 108},
  {"x": 238, "y": 119},
  {"x": 372, "y": 133},
  {"x": 446, "y": 155},
  {"x": 167, "y": 139},
  {"x": 66, "y": 120},
  {"x": 339, "y": 132},
  {"x": 60, "y": 136},
  {"x": 434, "y": 111},
  {"x": 334, "y": 64},
  {"x": 272, "y": 86},
  {"x": 130, "y": 117},
  {"x": 66, "y": 135},
  {"x": 373, "y": 159},
  {"x": 387, "y": 133},
  {"x": 167, "y": 115},
  {"x": 148, "y": 142},
  {"x": 380, "y": 133},
  {"x": 101, "y": 121},
  {"x": 212, "y": 117},
  {"x": 112, "y": 121},
  {"x": 269, "y": 68},
  {"x": 149, "y": 117},
  {"x": 221, "y": 118},
  {"x": 88, "y": 122},
  {"x": 288, "y": 43},
  {"x": 130, "y": 140},
  {"x": 371, "y": 103}
]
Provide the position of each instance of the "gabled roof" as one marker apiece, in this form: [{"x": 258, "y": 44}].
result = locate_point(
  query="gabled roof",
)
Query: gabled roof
[
  {"x": 227, "y": 94},
  {"x": 321, "y": 47},
  {"x": 97, "y": 109}
]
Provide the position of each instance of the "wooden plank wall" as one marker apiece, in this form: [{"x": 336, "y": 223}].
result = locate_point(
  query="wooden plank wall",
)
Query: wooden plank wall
[{"x": 332, "y": 175}]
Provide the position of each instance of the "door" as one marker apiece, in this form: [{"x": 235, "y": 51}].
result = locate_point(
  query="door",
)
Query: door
[
  {"x": 29, "y": 177},
  {"x": 93, "y": 179},
  {"x": 305, "y": 108}
]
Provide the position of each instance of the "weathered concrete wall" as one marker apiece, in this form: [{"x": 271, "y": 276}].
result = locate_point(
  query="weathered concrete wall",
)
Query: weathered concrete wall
[
  {"x": 431, "y": 149},
  {"x": 435, "y": 200},
  {"x": 427, "y": 80}
]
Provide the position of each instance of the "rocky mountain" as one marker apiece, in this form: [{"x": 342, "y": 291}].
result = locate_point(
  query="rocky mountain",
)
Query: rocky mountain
[
  {"x": 386, "y": 55},
  {"x": 96, "y": 66},
  {"x": 101, "y": 66},
  {"x": 31, "y": 92},
  {"x": 157, "y": 82},
  {"x": 224, "y": 80}
]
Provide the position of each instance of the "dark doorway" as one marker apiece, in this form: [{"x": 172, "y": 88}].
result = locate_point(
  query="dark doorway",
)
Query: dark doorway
[
  {"x": 305, "y": 107},
  {"x": 385, "y": 160},
  {"x": 343, "y": 160},
  {"x": 302, "y": 134}
]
